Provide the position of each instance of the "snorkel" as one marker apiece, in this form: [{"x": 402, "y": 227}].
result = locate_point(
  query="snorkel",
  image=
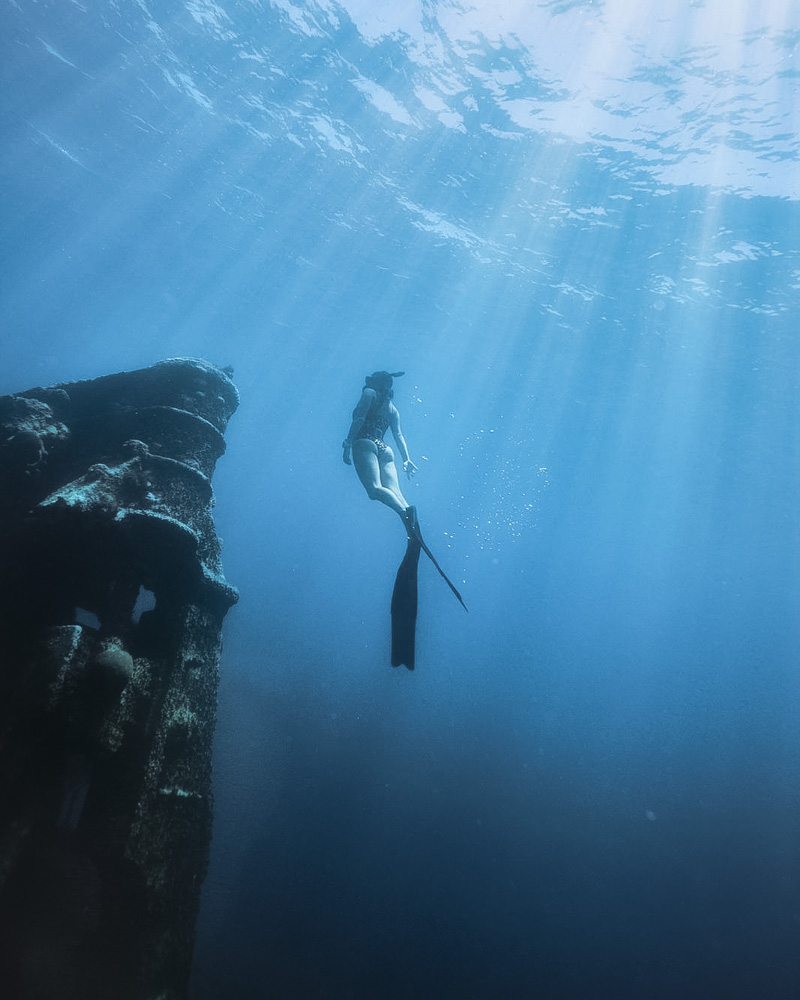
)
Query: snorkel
[{"x": 381, "y": 382}]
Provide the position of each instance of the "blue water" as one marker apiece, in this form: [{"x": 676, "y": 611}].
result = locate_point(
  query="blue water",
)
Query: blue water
[{"x": 574, "y": 226}]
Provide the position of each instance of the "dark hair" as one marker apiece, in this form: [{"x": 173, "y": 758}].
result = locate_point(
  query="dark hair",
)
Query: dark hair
[{"x": 382, "y": 382}]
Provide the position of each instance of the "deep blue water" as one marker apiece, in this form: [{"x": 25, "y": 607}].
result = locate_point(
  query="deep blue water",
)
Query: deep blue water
[{"x": 575, "y": 227}]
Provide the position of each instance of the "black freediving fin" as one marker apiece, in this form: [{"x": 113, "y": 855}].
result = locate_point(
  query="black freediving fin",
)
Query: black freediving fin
[
  {"x": 414, "y": 532},
  {"x": 404, "y": 607}
]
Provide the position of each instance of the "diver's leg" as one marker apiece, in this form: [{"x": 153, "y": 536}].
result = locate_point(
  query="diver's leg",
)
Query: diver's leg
[
  {"x": 365, "y": 459},
  {"x": 390, "y": 481},
  {"x": 388, "y": 472}
]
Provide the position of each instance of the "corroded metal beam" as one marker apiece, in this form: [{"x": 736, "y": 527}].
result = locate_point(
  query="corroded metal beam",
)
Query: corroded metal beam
[{"x": 112, "y": 598}]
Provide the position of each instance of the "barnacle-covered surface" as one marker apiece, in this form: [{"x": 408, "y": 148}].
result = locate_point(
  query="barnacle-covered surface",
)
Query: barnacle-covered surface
[{"x": 112, "y": 598}]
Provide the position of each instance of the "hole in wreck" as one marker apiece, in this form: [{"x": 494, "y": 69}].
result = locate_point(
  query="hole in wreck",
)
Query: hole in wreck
[
  {"x": 145, "y": 601},
  {"x": 86, "y": 618}
]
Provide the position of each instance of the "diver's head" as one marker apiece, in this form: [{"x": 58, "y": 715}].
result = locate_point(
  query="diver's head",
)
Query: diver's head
[{"x": 381, "y": 382}]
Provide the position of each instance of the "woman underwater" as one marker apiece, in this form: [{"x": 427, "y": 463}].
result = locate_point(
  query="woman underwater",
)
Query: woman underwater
[
  {"x": 374, "y": 463},
  {"x": 372, "y": 457}
]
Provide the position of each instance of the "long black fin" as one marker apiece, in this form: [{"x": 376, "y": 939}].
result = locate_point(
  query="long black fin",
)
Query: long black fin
[
  {"x": 404, "y": 608},
  {"x": 414, "y": 532}
]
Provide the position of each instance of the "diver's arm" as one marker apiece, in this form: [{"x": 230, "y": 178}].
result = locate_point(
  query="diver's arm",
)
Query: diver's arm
[
  {"x": 359, "y": 413},
  {"x": 402, "y": 447}
]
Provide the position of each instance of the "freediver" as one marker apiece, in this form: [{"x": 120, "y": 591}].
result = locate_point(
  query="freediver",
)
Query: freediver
[{"x": 373, "y": 458}]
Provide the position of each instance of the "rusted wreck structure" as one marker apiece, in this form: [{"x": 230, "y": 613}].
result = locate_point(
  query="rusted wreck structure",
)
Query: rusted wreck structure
[{"x": 111, "y": 605}]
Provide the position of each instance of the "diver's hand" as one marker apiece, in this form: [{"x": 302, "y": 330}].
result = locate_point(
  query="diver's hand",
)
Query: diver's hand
[
  {"x": 409, "y": 468},
  {"x": 346, "y": 453}
]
